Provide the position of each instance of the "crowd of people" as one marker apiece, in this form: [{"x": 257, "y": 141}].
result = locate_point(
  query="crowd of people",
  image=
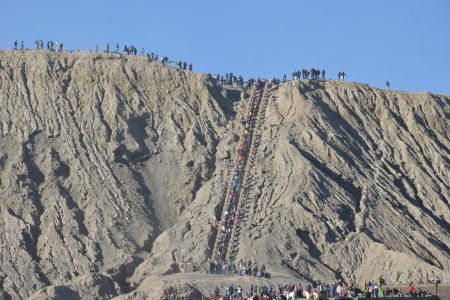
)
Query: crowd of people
[
  {"x": 230, "y": 79},
  {"x": 227, "y": 78},
  {"x": 287, "y": 291},
  {"x": 238, "y": 81},
  {"x": 229, "y": 214},
  {"x": 245, "y": 267},
  {"x": 128, "y": 50},
  {"x": 317, "y": 290},
  {"x": 305, "y": 74}
]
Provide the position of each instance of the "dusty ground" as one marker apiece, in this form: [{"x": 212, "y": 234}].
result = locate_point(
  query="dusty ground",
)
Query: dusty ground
[{"x": 111, "y": 171}]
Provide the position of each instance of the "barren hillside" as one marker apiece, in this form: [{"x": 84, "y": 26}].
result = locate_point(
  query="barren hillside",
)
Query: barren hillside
[{"x": 111, "y": 172}]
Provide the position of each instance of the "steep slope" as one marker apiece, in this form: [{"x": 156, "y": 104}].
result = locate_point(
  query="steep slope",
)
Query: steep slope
[
  {"x": 352, "y": 182},
  {"x": 89, "y": 149}
]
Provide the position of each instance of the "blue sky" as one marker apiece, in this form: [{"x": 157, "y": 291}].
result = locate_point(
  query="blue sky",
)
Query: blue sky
[{"x": 404, "y": 41}]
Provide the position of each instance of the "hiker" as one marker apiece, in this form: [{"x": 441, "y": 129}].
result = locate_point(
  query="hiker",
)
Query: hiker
[
  {"x": 142, "y": 51},
  {"x": 190, "y": 67},
  {"x": 107, "y": 47},
  {"x": 117, "y": 48},
  {"x": 284, "y": 78},
  {"x": 412, "y": 290},
  {"x": 56, "y": 46},
  {"x": 15, "y": 45},
  {"x": 61, "y": 47},
  {"x": 388, "y": 85},
  {"x": 184, "y": 66},
  {"x": 22, "y": 45},
  {"x": 323, "y": 73}
]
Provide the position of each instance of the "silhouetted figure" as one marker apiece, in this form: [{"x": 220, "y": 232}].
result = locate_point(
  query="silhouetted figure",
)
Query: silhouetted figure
[{"x": 388, "y": 85}]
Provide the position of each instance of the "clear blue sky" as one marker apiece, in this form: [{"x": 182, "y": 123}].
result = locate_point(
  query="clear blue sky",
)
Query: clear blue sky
[{"x": 404, "y": 41}]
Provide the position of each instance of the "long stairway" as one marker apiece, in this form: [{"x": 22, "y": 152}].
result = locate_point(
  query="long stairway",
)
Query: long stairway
[
  {"x": 228, "y": 223},
  {"x": 248, "y": 182}
]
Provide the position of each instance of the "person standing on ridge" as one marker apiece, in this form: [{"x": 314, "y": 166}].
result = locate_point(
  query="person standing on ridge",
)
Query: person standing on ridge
[
  {"x": 190, "y": 67},
  {"x": 56, "y": 46},
  {"x": 388, "y": 85},
  {"x": 15, "y": 45},
  {"x": 22, "y": 45},
  {"x": 323, "y": 74},
  {"x": 107, "y": 47}
]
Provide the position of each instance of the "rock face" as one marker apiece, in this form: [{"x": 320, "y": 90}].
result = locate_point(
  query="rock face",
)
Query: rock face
[{"x": 111, "y": 171}]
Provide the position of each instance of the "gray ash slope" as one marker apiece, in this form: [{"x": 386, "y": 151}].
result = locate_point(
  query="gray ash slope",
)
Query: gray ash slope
[{"x": 111, "y": 170}]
